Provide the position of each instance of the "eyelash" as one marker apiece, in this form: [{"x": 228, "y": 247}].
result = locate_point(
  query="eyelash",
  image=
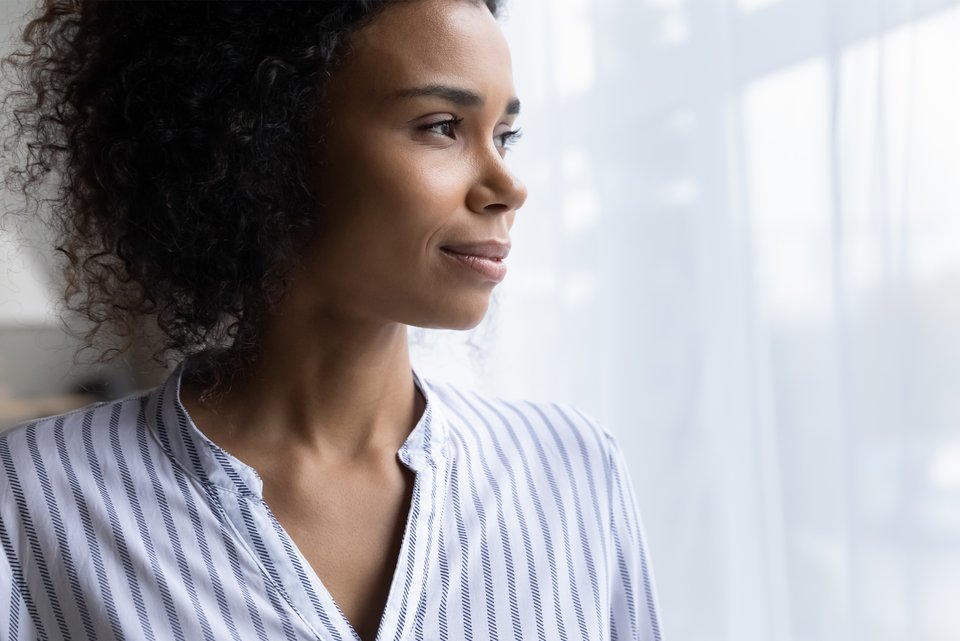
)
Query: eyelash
[
  {"x": 510, "y": 138},
  {"x": 507, "y": 138}
]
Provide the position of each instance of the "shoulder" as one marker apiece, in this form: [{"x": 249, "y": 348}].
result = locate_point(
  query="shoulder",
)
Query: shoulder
[
  {"x": 557, "y": 435},
  {"x": 59, "y": 452}
]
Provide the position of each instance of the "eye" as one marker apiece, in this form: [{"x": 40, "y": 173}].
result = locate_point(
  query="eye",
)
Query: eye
[
  {"x": 446, "y": 128},
  {"x": 508, "y": 138}
]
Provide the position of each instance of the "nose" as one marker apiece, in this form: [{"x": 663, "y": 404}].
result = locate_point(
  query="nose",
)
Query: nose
[{"x": 496, "y": 190}]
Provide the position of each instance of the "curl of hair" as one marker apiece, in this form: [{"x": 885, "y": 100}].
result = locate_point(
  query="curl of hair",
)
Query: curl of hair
[{"x": 177, "y": 133}]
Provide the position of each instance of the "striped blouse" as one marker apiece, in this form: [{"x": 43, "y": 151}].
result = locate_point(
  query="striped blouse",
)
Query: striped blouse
[{"x": 123, "y": 521}]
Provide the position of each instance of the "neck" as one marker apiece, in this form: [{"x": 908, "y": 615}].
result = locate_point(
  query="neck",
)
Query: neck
[{"x": 340, "y": 387}]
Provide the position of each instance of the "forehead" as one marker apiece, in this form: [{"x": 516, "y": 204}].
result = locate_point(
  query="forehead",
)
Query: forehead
[{"x": 423, "y": 41}]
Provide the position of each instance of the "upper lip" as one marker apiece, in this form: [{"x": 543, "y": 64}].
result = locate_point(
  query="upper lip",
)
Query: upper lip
[{"x": 485, "y": 249}]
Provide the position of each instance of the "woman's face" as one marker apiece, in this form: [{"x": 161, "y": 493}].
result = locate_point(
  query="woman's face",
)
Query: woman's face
[{"x": 416, "y": 200}]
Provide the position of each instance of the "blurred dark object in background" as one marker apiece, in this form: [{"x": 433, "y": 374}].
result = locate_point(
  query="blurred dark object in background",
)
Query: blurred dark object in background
[{"x": 42, "y": 373}]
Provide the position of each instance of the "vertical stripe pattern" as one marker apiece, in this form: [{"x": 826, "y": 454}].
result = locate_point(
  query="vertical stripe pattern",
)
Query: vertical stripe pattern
[{"x": 122, "y": 520}]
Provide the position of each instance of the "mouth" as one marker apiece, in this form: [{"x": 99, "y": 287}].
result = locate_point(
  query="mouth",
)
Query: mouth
[
  {"x": 484, "y": 259},
  {"x": 490, "y": 249}
]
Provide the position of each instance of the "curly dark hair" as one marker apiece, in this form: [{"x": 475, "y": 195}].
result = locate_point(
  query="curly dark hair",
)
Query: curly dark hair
[{"x": 177, "y": 132}]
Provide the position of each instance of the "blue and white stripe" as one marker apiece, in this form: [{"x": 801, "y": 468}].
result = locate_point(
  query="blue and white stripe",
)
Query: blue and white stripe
[{"x": 123, "y": 521}]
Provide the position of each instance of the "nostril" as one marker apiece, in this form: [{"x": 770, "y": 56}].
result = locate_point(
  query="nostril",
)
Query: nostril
[{"x": 496, "y": 208}]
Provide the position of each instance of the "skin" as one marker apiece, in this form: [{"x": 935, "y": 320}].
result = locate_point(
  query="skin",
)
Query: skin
[{"x": 333, "y": 398}]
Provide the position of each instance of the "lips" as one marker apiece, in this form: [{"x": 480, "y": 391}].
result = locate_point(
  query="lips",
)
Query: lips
[
  {"x": 491, "y": 249},
  {"x": 484, "y": 259}
]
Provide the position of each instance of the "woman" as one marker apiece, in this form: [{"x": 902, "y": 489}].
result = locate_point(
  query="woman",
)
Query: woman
[{"x": 285, "y": 187}]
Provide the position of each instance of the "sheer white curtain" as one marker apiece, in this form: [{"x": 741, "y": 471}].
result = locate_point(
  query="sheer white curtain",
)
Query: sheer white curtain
[{"x": 742, "y": 253}]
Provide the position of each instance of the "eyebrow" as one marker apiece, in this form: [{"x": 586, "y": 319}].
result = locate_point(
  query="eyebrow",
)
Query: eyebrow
[{"x": 457, "y": 96}]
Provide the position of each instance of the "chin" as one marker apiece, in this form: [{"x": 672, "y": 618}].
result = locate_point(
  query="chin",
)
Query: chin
[
  {"x": 461, "y": 317},
  {"x": 469, "y": 324}
]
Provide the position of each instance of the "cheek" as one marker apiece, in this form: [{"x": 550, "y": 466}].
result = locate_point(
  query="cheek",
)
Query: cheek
[
  {"x": 408, "y": 192},
  {"x": 390, "y": 205}
]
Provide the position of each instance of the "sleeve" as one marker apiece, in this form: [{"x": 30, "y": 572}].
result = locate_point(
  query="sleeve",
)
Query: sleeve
[
  {"x": 633, "y": 605},
  {"x": 13, "y": 609},
  {"x": 16, "y": 623}
]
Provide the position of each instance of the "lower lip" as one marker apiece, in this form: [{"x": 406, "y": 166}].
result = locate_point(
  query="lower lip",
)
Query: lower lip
[{"x": 492, "y": 270}]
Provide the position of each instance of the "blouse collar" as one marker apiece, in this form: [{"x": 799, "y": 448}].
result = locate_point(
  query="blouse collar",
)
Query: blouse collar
[{"x": 167, "y": 418}]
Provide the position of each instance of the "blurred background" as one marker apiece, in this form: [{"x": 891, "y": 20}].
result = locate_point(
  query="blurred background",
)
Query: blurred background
[
  {"x": 741, "y": 252},
  {"x": 42, "y": 370}
]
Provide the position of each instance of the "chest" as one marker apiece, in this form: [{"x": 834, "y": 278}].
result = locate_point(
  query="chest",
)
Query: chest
[
  {"x": 473, "y": 557},
  {"x": 350, "y": 529}
]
